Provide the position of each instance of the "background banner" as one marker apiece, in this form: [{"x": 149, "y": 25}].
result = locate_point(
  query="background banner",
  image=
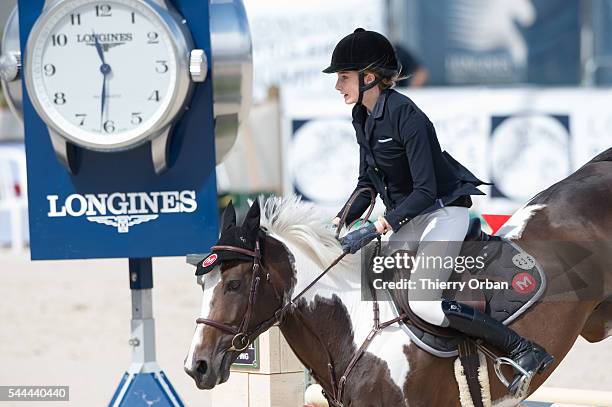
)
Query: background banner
[
  {"x": 496, "y": 42},
  {"x": 523, "y": 140}
]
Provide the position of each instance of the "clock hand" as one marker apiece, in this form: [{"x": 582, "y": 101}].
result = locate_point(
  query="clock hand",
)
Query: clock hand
[
  {"x": 99, "y": 48},
  {"x": 106, "y": 70},
  {"x": 103, "y": 101}
]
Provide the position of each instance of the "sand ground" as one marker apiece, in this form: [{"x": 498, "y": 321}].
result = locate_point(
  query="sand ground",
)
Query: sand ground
[{"x": 68, "y": 323}]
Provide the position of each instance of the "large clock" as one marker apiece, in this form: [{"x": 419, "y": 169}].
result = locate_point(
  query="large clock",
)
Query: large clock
[
  {"x": 108, "y": 75},
  {"x": 111, "y": 75}
]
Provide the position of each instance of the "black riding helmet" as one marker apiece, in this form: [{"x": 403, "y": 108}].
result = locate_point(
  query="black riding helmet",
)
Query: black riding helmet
[{"x": 361, "y": 50}]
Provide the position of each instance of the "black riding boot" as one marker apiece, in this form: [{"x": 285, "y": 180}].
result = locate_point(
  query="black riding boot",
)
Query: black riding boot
[{"x": 528, "y": 355}]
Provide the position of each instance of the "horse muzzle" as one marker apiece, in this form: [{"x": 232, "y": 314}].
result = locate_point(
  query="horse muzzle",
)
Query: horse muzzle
[{"x": 207, "y": 374}]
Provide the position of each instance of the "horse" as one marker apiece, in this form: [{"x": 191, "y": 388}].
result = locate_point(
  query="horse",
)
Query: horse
[{"x": 326, "y": 325}]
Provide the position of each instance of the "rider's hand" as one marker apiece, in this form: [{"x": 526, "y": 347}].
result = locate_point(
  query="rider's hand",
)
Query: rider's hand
[
  {"x": 382, "y": 226},
  {"x": 335, "y": 221},
  {"x": 352, "y": 242}
]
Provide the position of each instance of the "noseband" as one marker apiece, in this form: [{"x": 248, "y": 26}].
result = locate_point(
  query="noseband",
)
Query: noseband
[{"x": 242, "y": 336}]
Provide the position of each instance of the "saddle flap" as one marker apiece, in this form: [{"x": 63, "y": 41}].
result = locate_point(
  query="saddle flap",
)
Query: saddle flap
[{"x": 507, "y": 284}]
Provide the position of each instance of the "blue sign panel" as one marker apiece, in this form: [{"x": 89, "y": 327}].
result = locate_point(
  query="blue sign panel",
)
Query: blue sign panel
[
  {"x": 115, "y": 204},
  {"x": 599, "y": 67},
  {"x": 145, "y": 389},
  {"x": 496, "y": 42}
]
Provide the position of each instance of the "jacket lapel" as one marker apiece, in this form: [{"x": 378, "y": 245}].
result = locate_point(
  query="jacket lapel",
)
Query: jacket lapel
[
  {"x": 369, "y": 128},
  {"x": 359, "y": 118},
  {"x": 377, "y": 114}
]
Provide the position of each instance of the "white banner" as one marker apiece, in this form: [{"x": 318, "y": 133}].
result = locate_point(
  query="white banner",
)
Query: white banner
[
  {"x": 293, "y": 40},
  {"x": 523, "y": 140}
]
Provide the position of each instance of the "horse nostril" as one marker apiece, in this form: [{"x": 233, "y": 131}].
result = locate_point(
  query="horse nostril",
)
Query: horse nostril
[{"x": 201, "y": 367}]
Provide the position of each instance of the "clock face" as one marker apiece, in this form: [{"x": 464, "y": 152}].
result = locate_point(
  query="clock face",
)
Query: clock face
[{"x": 104, "y": 74}]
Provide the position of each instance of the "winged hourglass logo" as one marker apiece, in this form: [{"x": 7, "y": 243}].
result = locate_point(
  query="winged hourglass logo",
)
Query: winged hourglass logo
[{"x": 123, "y": 222}]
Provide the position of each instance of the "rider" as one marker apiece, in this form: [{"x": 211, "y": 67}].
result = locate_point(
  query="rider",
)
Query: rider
[{"x": 425, "y": 191}]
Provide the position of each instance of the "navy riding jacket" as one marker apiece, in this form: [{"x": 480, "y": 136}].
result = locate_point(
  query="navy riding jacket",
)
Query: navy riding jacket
[{"x": 401, "y": 159}]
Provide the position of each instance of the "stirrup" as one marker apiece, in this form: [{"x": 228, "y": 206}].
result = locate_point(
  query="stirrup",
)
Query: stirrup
[{"x": 522, "y": 387}]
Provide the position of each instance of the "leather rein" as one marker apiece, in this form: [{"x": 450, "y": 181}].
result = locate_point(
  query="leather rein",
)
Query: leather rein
[{"x": 243, "y": 336}]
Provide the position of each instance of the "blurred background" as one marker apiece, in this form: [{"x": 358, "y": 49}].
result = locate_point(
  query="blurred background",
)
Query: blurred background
[{"x": 518, "y": 90}]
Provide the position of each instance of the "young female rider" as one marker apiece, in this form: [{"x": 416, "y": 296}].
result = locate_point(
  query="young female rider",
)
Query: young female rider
[{"x": 425, "y": 191}]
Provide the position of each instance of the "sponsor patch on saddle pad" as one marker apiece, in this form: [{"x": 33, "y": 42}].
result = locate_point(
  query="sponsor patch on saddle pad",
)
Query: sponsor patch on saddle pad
[{"x": 524, "y": 279}]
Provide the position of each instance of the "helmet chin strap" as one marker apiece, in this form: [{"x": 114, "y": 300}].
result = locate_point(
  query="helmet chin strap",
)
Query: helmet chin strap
[{"x": 363, "y": 87}]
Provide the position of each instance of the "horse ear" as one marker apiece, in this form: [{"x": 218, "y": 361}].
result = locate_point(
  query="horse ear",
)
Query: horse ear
[
  {"x": 251, "y": 221},
  {"x": 229, "y": 217}
]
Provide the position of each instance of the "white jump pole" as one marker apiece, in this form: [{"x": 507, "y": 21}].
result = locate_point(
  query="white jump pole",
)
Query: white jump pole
[{"x": 575, "y": 397}]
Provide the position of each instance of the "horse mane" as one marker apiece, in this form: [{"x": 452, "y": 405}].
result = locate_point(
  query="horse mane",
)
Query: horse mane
[{"x": 304, "y": 225}]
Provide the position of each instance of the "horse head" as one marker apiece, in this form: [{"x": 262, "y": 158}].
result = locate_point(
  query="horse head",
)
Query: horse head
[{"x": 245, "y": 281}]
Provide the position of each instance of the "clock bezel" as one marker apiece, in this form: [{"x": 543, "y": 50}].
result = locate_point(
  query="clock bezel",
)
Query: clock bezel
[{"x": 181, "y": 43}]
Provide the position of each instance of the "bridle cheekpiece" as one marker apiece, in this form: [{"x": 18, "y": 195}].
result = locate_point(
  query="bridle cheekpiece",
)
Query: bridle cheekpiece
[{"x": 242, "y": 337}]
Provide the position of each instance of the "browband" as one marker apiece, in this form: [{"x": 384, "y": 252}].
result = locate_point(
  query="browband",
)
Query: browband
[{"x": 235, "y": 249}]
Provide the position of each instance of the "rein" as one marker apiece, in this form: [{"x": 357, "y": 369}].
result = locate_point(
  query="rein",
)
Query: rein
[{"x": 243, "y": 336}]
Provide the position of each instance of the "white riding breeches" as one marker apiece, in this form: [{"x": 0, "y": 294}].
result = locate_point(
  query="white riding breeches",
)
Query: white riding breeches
[{"x": 435, "y": 236}]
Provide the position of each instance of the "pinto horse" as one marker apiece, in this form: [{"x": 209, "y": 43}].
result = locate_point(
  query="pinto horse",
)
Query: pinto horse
[{"x": 330, "y": 321}]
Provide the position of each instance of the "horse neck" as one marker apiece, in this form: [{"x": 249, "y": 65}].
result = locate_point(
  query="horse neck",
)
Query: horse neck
[
  {"x": 341, "y": 281},
  {"x": 328, "y": 317}
]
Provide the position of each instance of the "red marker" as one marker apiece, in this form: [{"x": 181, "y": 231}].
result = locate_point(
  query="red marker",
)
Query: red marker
[
  {"x": 495, "y": 221},
  {"x": 209, "y": 260}
]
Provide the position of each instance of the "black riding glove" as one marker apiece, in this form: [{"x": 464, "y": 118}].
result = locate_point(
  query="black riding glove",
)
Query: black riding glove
[{"x": 357, "y": 239}]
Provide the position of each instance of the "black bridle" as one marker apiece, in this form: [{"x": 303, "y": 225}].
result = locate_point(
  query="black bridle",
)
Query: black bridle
[{"x": 242, "y": 337}]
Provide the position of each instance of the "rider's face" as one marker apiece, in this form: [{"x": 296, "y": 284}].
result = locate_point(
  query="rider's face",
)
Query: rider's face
[{"x": 348, "y": 85}]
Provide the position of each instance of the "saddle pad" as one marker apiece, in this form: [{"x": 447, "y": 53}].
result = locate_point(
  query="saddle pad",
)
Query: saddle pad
[{"x": 504, "y": 261}]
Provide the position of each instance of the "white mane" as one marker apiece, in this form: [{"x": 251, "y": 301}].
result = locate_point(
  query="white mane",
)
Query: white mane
[
  {"x": 305, "y": 226},
  {"x": 310, "y": 237}
]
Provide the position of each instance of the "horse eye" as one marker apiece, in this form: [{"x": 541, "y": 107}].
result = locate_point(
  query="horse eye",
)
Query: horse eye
[{"x": 233, "y": 285}]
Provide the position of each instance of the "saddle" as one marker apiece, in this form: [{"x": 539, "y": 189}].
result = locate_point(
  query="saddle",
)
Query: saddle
[
  {"x": 511, "y": 279},
  {"x": 505, "y": 285}
]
